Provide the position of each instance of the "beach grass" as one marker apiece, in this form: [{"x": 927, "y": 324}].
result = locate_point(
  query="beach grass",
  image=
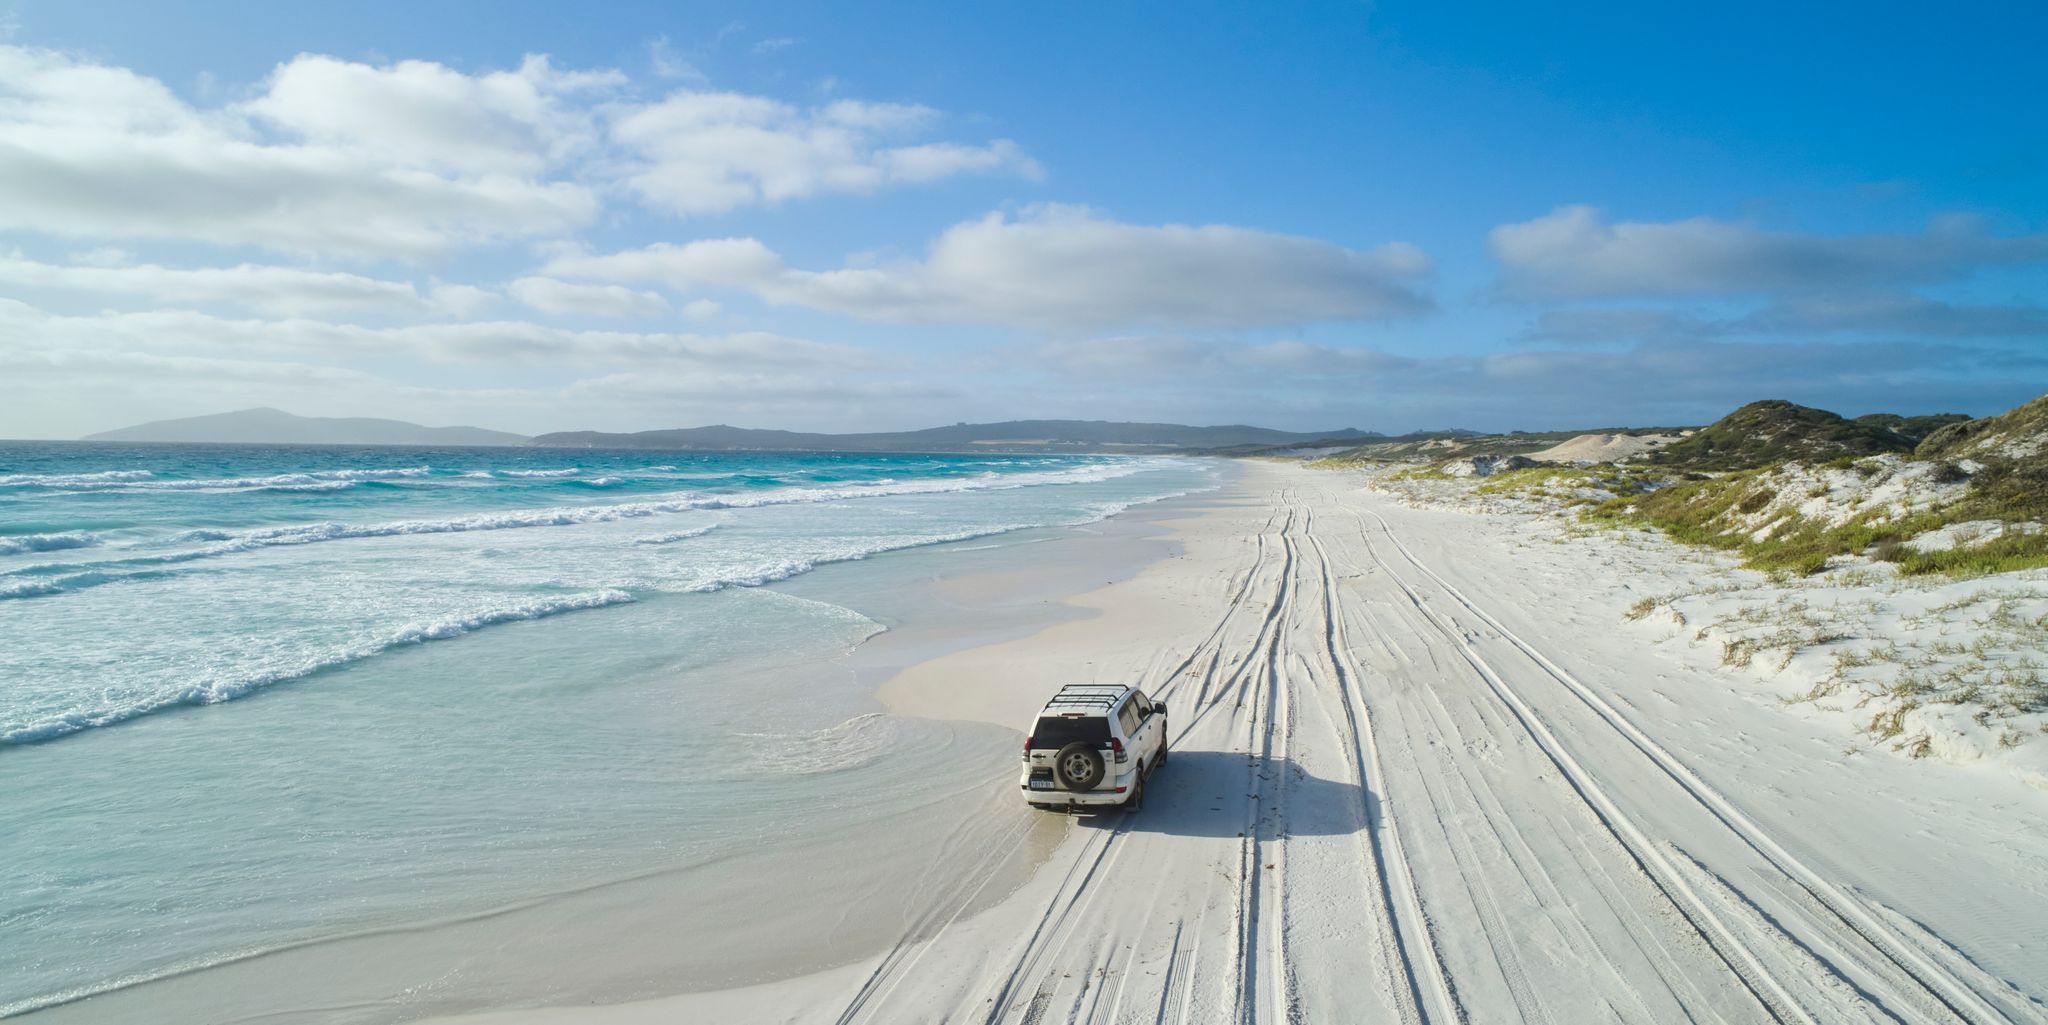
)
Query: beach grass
[{"x": 1714, "y": 512}]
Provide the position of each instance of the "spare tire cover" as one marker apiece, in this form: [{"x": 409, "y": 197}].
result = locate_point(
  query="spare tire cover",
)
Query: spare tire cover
[{"x": 1078, "y": 766}]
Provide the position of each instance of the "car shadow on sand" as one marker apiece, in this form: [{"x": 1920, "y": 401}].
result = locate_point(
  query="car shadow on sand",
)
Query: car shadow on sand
[{"x": 1224, "y": 794}]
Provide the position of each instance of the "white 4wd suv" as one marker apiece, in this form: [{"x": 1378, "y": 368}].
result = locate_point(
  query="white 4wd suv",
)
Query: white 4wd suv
[{"x": 1093, "y": 745}]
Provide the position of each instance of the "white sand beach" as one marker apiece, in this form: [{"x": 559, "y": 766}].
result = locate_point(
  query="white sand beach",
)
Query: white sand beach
[
  {"x": 1424, "y": 769},
  {"x": 662, "y": 513}
]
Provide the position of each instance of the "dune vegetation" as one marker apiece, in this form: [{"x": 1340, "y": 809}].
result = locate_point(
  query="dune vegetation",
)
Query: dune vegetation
[{"x": 1970, "y": 498}]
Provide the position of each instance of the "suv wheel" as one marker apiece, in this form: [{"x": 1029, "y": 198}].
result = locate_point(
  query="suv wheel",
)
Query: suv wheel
[
  {"x": 1078, "y": 766},
  {"x": 1137, "y": 798}
]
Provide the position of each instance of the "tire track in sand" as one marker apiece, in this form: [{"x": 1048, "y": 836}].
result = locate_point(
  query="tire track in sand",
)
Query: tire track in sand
[
  {"x": 1941, "y": 994},
  {"x": 1424, "y": 995}
]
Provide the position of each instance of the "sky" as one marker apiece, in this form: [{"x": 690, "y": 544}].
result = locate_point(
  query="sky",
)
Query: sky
[{"x": 1388, "y": 216}]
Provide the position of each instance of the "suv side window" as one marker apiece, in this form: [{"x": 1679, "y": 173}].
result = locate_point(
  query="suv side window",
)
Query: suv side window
[
  {"x": 1144, "y": 703},
  {"x": 1128, "y": 715}
]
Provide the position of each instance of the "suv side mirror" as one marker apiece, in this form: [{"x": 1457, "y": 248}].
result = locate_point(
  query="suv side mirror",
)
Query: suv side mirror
[{"x": 1159, "y": 707}]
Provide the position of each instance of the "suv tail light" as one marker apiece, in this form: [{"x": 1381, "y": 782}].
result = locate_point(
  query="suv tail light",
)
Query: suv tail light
[
  {"x": 1118, "y": 747},
  {"x": 1027, "y": 749}
]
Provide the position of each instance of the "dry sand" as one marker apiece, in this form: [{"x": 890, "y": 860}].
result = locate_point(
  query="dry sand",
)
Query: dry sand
[
  {"x": 1422, "y": 773},
  {"x": 1603, "y": 448}
]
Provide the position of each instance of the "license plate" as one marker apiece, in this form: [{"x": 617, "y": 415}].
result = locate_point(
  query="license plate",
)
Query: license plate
[{"x": 1041, "y": 784}]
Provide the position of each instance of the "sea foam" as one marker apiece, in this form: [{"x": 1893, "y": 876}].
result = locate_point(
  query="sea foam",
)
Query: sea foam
[
  {"x": 144, "y": 480},
  {"x": 562, "y": 516},
  {"x": 217, "y": 690}
]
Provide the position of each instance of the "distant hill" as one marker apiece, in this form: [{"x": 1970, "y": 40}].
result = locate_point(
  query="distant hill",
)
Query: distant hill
[
  {"x": 2018, "y": 433},
  {"x": 1014, "y": 435},
  {"x": 1775, "y": 431},
  {"x": 275, "y": 426}
]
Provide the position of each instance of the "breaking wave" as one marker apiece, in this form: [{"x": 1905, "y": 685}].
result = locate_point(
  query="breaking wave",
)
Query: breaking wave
[
  {"x": 680, "y": 535},
  {"x": 27, "y": 543},
  {"x": 144, "y": 480},
  {"x": 62, "y": 480},
  {"x": 215, "y": 691},
  {"x": 552, "y": 517}
]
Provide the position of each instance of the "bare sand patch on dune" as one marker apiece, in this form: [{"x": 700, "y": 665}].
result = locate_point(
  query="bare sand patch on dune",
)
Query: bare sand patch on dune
[{"x": 1603, "y": 448}]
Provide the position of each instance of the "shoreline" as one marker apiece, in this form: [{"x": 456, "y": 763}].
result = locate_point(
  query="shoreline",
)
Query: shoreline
[
  {"x": 1113, "y": 628},
  {"x": 832, "y": 910},
  {"x": 1013, "y": 594}
]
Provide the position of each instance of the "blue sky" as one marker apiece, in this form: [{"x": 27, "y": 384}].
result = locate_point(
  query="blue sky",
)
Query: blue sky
[{"x": 1386, "y": 216}]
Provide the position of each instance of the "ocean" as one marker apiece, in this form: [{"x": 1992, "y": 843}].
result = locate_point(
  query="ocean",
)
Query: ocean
[{"x": 254, "y": 698}]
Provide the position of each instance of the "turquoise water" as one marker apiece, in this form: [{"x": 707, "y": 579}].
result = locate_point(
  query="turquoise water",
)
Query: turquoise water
[{"x": 254, "y": 697}]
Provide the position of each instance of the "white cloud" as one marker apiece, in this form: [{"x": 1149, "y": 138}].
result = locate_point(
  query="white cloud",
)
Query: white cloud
[
  {"x": 415, "y": 159},
  {"x": 103, "y": 256},
  {"x": 426, "y": 114},
  {"x": 281, "y": 290},
  {"x": 153, "y": 369},
  {"x": 1062, "y": 267},
  {"x": 549, "y": 295},
  {"x": 702, "y": 309},
  {"x": 929, "y": 162},
  {"x": 479, "y": 342},
  {"x": 88, "y": 150},
  {"x": 700, "y": 152},
  {"x": 662, "y": 57},
  {"x": 1573, "y": 252}
]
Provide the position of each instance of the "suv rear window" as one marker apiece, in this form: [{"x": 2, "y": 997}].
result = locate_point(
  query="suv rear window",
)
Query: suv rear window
[{"x": 1057, "y": 731}]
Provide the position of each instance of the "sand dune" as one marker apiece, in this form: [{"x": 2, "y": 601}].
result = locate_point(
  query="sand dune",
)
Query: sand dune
[{"x": 1603, "y": 448}]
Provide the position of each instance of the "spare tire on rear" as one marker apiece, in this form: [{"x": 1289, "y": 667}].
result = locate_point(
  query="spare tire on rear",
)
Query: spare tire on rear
[{"x": 1078, "y": 766}]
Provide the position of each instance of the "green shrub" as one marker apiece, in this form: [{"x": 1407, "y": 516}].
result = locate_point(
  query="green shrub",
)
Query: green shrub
[
  {"x": 2000, "y": 555},
  {"x": 1701, "y": 512}
]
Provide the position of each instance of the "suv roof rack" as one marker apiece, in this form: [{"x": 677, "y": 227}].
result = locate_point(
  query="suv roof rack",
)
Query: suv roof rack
[{"x": 1087, "y": 695}]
